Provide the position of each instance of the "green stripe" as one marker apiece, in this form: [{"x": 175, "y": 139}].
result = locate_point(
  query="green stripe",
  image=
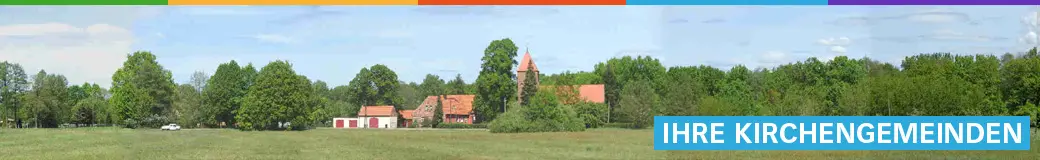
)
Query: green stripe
[{"x": 83, "y": 2}]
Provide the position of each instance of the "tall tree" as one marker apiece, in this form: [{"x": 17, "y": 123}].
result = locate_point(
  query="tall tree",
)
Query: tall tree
[
  {"x": 141, "y": 87},
  {"x": 321, "y": 88},
  {"x": 496, "y": 84},
  {"x": 187, "y": 105},
  {"x": 49, "y": 100},
  {"x": 279, "y": 95},
  {"x": 362, "y": 91},
  {"x": 432, "y": 85},
  {"x": 618, "y": 72},
  {"x": 199, "y": 80},
  {"x": 387, "y": 85},
  {"x": 13, "y": 84},
  {"x": 456, "y": 86},
  {"x": 530, "y": 86},
  {"x": 637, "y": 103},
  {"x": 224, "y": 92}
]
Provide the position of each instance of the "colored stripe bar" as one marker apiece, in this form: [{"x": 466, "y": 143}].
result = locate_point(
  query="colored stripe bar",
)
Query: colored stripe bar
[
  {"x": 728, "y": 2},
  {"x": 293, "y": 2},
  {"x": 521, "y": 2},
  {"x": 934, "y": 2},
  {"x": 82, "y": 2}
]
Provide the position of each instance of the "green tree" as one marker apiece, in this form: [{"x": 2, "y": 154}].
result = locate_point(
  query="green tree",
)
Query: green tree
[
  {"x": 223, "y": 93},
  {"x": 49, "y": 100},
  {"x": 13, "y": 85},
  {"x": 278, "y": 95},
  {"x": 438, "y": 112},
  {"x": 432, "y": 85},
  {"x": 457, "y": 86},
  {"x": 187, "y": 105},
  {"x": 495, "y": 85},
  {"x": 387, "y": 85},
  {"x": 141, "y": 88},
  {"x": 637, "y": 102},
  {"x": 530, "y": 87},
  {"x": 617, "y": 72},
  {"x": 362, "y": 90}
]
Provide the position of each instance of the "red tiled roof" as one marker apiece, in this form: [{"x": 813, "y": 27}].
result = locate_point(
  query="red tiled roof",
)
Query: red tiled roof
[
  {"x": 458, "y": 104},
  {"x": 593, "y": 93},
  {"x": 376, "y": 111},
  {"x": 452, "y": 104},
  {"x": 407, "y": 114},
  {"x": 525, "y": 61}
]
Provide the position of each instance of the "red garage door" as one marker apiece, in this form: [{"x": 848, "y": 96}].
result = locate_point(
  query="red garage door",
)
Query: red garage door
[
  {"x": 373, "y": 123},
  {"x": 353, "y": 123},
  {"x": 339, "y": 123}
]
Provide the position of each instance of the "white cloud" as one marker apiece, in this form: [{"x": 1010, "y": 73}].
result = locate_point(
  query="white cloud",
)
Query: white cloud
[
  {"x": 160, "y": 35},
  {"x": 838, "y": 49},
  {"x": 83, "y": 54},
  {"x": 1030, "y": 38},
  {"x": 938, "y": 15},
  {"x": 840, "y": 41},
  {"x": 274, "y": 38},
  {"x": 1032, "y": 20},
  {"x": 37, "y": 29}
]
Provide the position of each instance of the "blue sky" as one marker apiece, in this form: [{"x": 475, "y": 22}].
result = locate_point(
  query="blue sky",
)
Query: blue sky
[{"x": 87, "y": 44}]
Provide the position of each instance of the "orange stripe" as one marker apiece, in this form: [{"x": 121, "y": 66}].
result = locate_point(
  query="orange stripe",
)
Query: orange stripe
[
  {"x": 521, "y": 2},
  {"x": 293, "y": 2}
]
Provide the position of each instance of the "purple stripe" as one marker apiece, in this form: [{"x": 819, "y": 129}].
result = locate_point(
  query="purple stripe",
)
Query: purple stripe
[{"x": 934, "y": 2}]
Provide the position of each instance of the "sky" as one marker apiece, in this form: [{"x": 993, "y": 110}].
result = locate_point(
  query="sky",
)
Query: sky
[{"x": 332, "y": 43}]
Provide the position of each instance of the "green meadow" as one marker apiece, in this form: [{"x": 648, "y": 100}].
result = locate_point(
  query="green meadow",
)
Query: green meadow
[{"x": 115, "y": 143}]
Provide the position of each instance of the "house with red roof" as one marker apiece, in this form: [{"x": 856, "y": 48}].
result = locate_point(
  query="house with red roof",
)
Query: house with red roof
[
  {"x": 456, "y": 109},
  {"x": 370, "y": 117},
  {"x": 406, "y": 115}
]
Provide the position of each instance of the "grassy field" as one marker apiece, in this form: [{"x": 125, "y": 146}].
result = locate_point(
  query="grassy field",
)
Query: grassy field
[{"x": 113, "y": 143}]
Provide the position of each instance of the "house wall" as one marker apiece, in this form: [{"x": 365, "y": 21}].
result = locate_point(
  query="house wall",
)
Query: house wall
[
  {"x": 346, "y": 122},
  {"x": 383, "y": 122}
]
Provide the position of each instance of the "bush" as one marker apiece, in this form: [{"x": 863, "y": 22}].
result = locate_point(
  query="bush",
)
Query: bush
[
  {"x": 154, "y": 121},
  {"x": 593, "y": 114},
  {"x": 130, "y": 123},
  {"x": 461, "y": 125},
  {"x": 543, "y": 114}
]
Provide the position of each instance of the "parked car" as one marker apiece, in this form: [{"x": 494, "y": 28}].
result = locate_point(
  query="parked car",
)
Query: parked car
[{"x": 171, "y": 127}]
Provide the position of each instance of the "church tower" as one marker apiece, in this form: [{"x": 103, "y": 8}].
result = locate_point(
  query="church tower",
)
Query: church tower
[{"x": 521, "y": 73}]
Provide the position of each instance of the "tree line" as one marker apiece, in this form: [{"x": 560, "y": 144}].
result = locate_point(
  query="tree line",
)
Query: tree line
[
  {"x": 275, "y": 97},
  {"x": 937, "y": 84}
]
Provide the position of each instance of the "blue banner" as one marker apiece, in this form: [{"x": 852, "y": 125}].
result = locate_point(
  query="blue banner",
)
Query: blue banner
[{"x": 841, "y": 133}]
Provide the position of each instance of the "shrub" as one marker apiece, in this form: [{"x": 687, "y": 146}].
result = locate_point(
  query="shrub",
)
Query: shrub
[
  {"x": 593, "y": 114},
  {"x": 154, "y": 121},
  {"x": 512, "y": 121},
  {"x": 543, "y": 114},
  {"x": 130, "y": 123}
]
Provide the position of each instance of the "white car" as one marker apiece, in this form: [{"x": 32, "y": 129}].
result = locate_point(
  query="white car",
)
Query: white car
[{"x": 171, "y": 127}]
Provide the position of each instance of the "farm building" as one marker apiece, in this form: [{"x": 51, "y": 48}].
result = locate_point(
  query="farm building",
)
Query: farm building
[
  {"x": 456, "y": 109},
  {"x": 370, "y": 117},
  {"x": 407, "y": 116}
]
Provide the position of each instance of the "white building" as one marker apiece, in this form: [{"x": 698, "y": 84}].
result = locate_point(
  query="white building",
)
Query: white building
[{"x": 370, "y": 117}]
